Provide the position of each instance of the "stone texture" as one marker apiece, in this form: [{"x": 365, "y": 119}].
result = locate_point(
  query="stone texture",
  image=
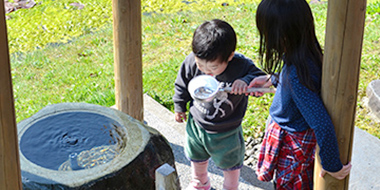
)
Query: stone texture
[
  {"x": 144, "y": 151},
  {"x": 373, "y": 95},
  {"x": 252, "y": 151}
]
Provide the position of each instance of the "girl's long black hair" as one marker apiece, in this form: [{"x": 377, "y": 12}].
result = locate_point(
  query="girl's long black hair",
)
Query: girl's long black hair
[{"x": 287, "y": 32}]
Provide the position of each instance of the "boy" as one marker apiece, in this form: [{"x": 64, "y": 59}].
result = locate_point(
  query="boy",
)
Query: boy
[{"x": 214, "y": 128}]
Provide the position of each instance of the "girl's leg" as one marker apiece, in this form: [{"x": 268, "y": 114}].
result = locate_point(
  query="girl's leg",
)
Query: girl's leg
[
  {"x": 199, "y": 171},
  {"x": 231, "y": 179}
]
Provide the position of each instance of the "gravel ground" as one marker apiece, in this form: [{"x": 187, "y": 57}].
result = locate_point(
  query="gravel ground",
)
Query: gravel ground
[{"x": 252, "y": 149}]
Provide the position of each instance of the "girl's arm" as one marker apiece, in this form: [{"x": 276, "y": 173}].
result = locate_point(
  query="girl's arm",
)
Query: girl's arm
[
  {"x": 260, "y": 81},
  {"x": 311, "y": 107}
]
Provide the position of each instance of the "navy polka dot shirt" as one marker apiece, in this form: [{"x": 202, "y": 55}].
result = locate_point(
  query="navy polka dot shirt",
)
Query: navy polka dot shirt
[{"x": 296, "y": 108}]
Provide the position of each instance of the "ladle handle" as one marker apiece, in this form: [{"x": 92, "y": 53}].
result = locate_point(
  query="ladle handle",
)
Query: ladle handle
[{"x": 253, "y": 89}]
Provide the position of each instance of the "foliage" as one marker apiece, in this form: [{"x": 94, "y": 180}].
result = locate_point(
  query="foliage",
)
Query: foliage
[
  {"x": 51, "y": 22},
  {"x": 80, "y": 71},
  {"x": 54, "y": 22},
  {"x": 47, "y": 70},
  {"x": 164, "y": 6},
  {"x": 374, "y": 8}
]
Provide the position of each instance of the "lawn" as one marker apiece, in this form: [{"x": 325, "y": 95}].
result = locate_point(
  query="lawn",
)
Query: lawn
[{"x": 60, "y": 53}]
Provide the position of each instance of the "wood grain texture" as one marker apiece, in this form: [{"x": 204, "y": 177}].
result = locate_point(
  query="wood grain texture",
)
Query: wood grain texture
[
  {"x": 128, "y": 57},
  {"x": 340, "y": 78},
  {"x": 10, "y": 174}
]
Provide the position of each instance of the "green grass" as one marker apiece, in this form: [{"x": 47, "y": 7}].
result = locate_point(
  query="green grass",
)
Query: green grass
[
  {"x": 72, "y": 61},
  {"x": 74, "y": 72}
]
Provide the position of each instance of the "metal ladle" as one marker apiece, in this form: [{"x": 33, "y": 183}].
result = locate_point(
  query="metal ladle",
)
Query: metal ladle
[{"x": 204, "y": 88}]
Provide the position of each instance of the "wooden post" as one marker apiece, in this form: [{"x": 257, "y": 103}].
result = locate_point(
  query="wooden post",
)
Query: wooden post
[
  {"x": 10, "y": 175},
  {"x": 340, "y": 78},
  {"x": 166, "y": 178},
  {"x": 128, "y": 57}
]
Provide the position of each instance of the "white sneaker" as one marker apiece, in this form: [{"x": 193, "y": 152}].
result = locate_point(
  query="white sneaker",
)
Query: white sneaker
[{"x": 197, "y": 185}]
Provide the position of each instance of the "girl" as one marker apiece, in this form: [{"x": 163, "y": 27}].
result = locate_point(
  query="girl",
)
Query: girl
[{"x": 298, "y": 119}]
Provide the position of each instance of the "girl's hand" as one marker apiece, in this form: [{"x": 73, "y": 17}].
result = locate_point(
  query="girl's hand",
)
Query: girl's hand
[
  {"x": 180, "y": 116},
  {"x": 341, "y": 174},
  {"x": 238, "y": 87},
  {"x": 260, "y": 81}
]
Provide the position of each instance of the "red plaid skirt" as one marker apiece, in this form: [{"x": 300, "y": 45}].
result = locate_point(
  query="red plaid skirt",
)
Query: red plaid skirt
[{"x": 290, "y": 155}]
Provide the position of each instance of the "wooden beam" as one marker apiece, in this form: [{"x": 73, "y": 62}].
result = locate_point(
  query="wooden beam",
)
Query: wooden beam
[
  {"x": 128, "y": 57},
  {"x": 10, "y": 174},
  {"x": 340, "y": 78}
]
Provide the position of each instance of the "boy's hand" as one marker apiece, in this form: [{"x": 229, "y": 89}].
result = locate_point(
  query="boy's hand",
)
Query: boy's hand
[
  {"x": 239, "y": 87},
  {"x": 341, "y": 174},
  {"x": 260, "y": 81},
  {"x": 180, "y": 116}
]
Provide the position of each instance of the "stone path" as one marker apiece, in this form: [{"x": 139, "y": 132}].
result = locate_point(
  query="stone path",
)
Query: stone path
[
  {"x": 365, "y": 157},
  {"x": 162, "y": 119}
]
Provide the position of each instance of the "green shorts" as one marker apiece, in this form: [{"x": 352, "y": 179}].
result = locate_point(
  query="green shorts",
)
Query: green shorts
[{"x": 225, "y": 149}]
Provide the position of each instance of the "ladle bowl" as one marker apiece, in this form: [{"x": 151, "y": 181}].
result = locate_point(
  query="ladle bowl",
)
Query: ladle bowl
[{"x": 203, "y": 88}]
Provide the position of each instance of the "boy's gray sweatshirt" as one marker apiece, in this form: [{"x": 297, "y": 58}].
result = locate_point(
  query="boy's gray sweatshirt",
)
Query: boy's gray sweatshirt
[{"x": 227, "y": 110}]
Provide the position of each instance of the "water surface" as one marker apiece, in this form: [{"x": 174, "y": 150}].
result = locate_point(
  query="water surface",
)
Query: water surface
[{"x": 68, "y": 138}]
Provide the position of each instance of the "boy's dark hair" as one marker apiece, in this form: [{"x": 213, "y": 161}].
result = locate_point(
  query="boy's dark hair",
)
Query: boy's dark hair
[
  {"x": 213, "y": 40},
  {"x": 287, "y": 31}
]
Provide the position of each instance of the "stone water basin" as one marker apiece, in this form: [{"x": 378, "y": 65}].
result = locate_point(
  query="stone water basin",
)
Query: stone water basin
[{"x": 86, "y": 146}]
